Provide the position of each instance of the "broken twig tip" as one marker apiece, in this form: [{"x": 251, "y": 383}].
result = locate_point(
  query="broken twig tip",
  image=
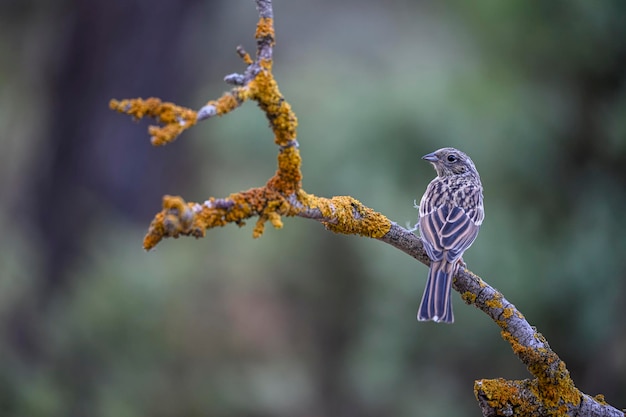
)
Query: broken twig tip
[
  {"x": 234, "y": 79},
  {"x": 207, "y": 112}
]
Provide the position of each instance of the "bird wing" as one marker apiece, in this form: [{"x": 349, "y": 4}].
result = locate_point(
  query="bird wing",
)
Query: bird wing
[{"x": 449, "y": 231}]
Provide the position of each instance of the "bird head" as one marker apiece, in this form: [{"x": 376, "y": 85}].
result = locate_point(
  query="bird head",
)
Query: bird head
[{"x": 450, "y": 161}]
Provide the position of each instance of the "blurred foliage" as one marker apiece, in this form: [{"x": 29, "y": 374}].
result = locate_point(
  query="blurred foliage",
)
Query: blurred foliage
[{"x": 303, "y": 322}]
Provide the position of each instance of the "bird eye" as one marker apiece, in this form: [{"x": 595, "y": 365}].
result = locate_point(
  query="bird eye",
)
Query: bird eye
[{"x": 452, "y": 158}]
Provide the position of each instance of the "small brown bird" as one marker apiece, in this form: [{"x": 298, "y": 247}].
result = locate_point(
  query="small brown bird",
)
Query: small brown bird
[{"x": 450, "y": 214}]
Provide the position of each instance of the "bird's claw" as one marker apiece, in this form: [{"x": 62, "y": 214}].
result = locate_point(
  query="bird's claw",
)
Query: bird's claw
[{"x": 461, "y": 263}]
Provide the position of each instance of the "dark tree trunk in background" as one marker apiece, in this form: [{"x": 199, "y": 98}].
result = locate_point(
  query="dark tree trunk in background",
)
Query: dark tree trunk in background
[
  {"x": 92, "y": 157},
  {"x": 112, "y": 49}
]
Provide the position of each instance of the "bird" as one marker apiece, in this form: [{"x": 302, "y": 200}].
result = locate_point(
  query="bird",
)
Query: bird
[{"x": 450, "y": 214}]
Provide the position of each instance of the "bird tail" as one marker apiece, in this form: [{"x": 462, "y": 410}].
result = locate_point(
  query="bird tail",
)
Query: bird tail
[{"x": 436, "y": 304}]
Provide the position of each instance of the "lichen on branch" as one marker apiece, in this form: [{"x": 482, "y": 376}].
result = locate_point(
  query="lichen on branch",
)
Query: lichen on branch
[
  {"x": 551, "y": 392},
  {"x": 175, "y": 119},
  {"x": 282, "y": 195}
]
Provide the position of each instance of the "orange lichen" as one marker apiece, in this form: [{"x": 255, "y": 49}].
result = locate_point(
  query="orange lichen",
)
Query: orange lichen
[
  {"x": 155, "y": 233},
  {"x": 499, "y": 389},
  {"x": 501, "y": 394},
  {"x": 286, "y": 123},
  {"x": 176, "y": 119},
  {"x": 265, "y": 35},
  {"x": 525, "y": 397},
  {"x": 519, "y": 349},
  {"x": 259, "y": 228},
  {"x": 180, "y": 218},
  {"x": 283, "y": 121},
  {"x": 247, "y": 59},
  {"x": 229, "y": 101},
  {"x": 275, "y": 220},
  {"x": 556, "y": 389},
  {"x": 554, "y": 384},
  {"x": 265, "y": 29},
  {"x": 288, "y": 177}
]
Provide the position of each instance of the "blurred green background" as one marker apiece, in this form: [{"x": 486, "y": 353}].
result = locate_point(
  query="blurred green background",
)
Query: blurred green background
[{"x": 303, "y": 322}]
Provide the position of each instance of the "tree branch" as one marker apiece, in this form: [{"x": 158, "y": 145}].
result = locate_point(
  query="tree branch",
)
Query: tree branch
[{"x": 551, "y": 392}]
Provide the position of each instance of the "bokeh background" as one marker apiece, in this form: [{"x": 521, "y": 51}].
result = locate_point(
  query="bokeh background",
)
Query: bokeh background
[{"x": 303, "y": 322}]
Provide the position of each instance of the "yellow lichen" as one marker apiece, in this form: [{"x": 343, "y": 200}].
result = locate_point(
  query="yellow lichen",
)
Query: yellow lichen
[
  {"x": 507, "y": 313},
  {"x": 469, "y": 297},
  {"x": 600, "y": 398},
  {"x": 259, "y": 227},
  {"x": 275, "y": 219},
  {"x": 495, "y": 302},
  {"x": 352, "y": 217},
  {"x": 311, "y": 201},
  {"x": 556, "y": 389}
]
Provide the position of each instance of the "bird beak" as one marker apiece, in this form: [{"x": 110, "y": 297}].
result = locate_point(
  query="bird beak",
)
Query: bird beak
[{"x": 430, "y": 157}]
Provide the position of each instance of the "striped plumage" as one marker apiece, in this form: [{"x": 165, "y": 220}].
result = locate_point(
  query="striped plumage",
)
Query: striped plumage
[{"x": 450, "y": 214}]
